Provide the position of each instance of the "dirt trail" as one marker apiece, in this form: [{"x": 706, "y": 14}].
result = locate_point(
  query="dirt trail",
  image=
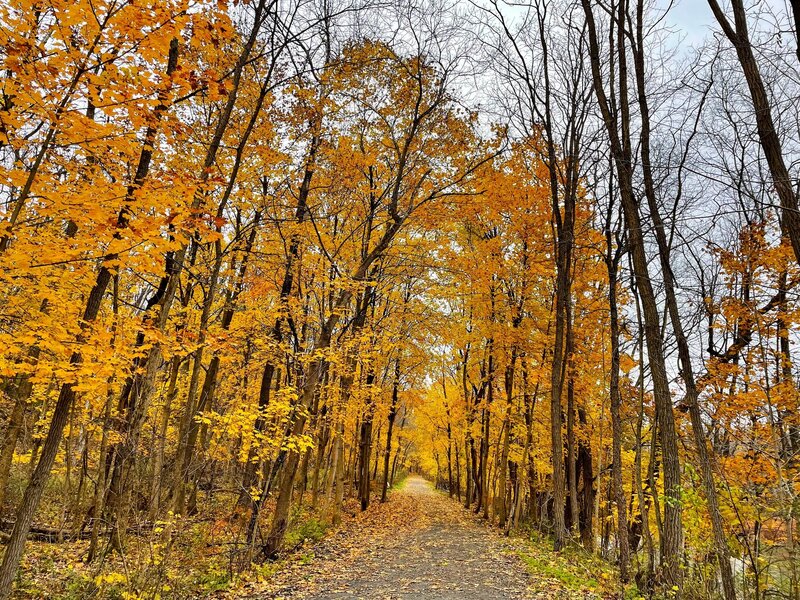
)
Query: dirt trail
[{"x": 418, "y": 545}]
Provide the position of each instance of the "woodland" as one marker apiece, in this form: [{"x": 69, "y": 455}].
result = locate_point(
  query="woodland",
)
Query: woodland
[{"x": 262, "y": 259}]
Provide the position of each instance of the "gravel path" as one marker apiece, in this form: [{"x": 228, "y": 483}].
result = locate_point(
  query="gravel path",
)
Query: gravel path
[{"x": 419, "y": 545}]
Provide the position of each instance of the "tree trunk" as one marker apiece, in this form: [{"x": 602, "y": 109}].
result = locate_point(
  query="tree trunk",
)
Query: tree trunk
[
  {"x": 321, "y": 446},
  {"x": 392, "y": 415},
  {"x": 563, "y": 261},
  {"x": 365, "y": 439},
  {"x": 158, "y": 462},
  {"x": 487, "y": 413},
  {"x": 505, "y": 442},
  {"x": 21, "y": 391},
  {"x": 572, "y": 456},
  {"x": 612, "y": 265},
  {"x": 469, "y": 442},
  {"x": 338, "y": 474},
  {"x": 587, "y": 503}
]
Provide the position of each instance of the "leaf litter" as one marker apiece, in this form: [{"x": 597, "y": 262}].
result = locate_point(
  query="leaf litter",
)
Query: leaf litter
[{"x": 420, "y": 544}]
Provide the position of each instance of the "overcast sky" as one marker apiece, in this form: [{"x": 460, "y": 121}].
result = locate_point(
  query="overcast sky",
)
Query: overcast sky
[{"x": 691, "y": 19}]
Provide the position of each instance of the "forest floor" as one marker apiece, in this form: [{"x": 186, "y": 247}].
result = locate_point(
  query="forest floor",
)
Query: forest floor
[{"x": 421, "y": 544}]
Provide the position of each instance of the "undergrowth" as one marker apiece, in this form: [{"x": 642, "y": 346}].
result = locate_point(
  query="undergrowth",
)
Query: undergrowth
[{"x": 575, "y": 568}]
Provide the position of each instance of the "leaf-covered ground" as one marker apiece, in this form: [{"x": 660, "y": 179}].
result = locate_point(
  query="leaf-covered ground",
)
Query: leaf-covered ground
[{"x": 420, "y": 544}]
